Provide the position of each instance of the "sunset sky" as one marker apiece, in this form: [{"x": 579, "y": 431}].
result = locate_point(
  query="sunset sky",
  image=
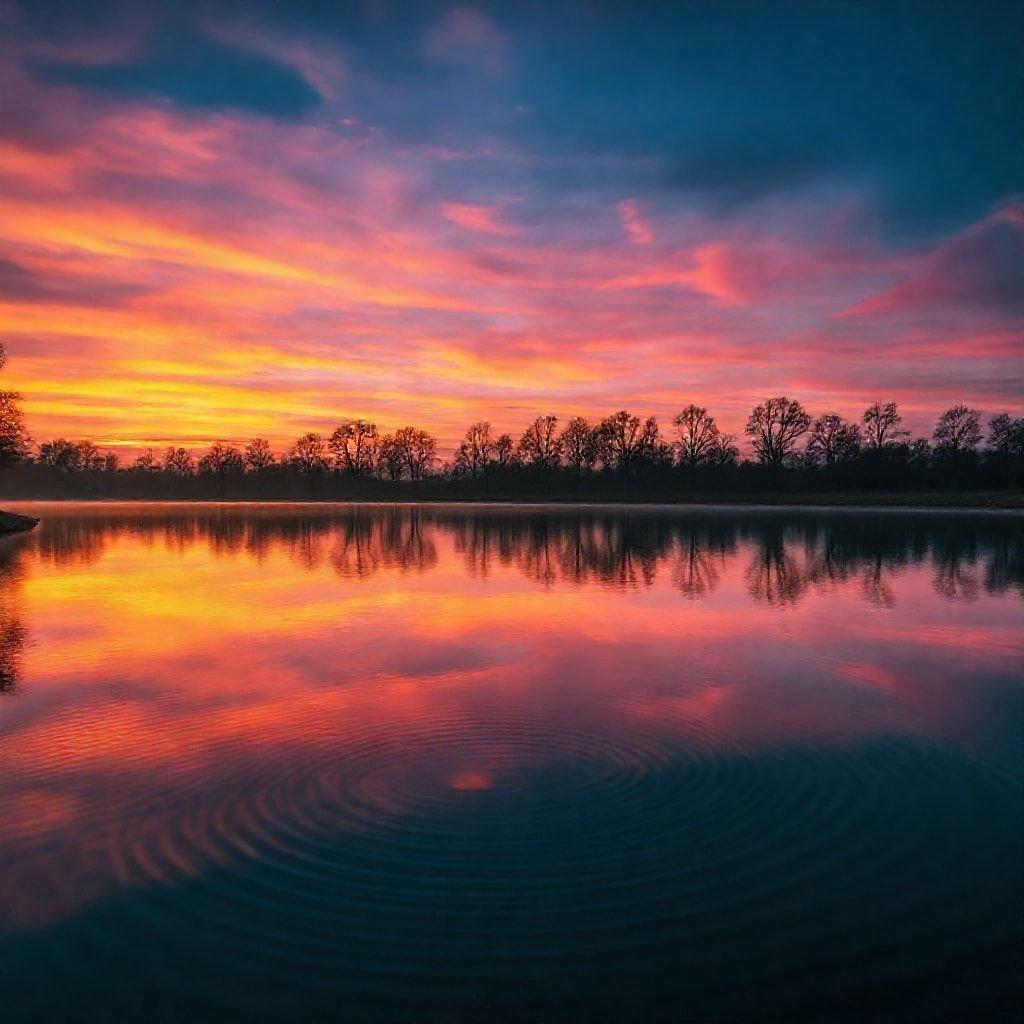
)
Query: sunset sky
[{"x": 227, "y": 220}]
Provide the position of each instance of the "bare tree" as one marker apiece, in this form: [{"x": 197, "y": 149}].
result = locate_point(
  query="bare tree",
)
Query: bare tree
[
  {"x": 1006, "y": 436},
  {"x": 73, "y": 456},
  {"x": 178, "y": 462},
  {"x": 61, "y": 454},
  {"x": 1005, "y": 445},
  {"x": 833, "y": 440},
  {"x": 540, "y": 443},
  {"x": 699, "y": 436},
  {"x": 958, "y": 432},
  {"x": 354, "y": 447},
  {"x": 650, "y": 446},
  {"x": 90, "y": 457},
  {"x": 578, "y": 445},
  {"x": 221, "y": 460},
  {"x": 726, "y": 452},
  {"x": 505, "y": 454},
  {"x": 15, "y": 442},
  {"x": 475, "y": 451},
  {"x": 390, "y": 458},
  {"x": 418, "y": 450},
  {"x": 622, "y": 439},
  {"x": 882, "y": 426},
  {"x": 145, "y": 461},
  {"x": 775, "y": 426},
  {"x": 259, "y": 456},
  {"x": 308, "y": 455}
]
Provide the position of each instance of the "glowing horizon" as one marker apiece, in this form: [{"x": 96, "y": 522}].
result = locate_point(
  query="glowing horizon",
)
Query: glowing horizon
[{"x": 442, "y": 214}]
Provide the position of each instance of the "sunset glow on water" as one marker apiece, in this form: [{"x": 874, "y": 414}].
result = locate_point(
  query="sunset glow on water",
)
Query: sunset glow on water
[
  {"x": 511, "y": 512},
  {"x": 424, "y": 761}
]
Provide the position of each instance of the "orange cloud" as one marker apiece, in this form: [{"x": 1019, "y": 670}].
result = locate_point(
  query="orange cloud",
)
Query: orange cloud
[{"x": 179, "y": 277}]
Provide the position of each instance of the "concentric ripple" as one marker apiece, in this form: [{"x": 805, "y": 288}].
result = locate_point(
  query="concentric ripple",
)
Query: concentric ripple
[
  {"x": 245, "y": 786},
  {"x": 405, "y": 853}
]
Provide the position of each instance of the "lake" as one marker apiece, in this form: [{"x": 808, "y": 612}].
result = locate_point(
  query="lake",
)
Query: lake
[{"x": 451, "y": 763}]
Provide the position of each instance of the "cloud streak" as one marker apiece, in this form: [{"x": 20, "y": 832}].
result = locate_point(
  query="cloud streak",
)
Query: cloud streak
[{"x": 409, "y": 247}]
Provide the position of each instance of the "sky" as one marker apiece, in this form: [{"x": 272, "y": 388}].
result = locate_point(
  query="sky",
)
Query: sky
[{"x": 224, "y": 220}]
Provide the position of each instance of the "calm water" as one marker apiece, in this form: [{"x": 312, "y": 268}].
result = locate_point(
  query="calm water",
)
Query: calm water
[{"x": 450, "y": 764}]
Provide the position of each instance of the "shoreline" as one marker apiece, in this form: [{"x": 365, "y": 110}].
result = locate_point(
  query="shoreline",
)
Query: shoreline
[
  {"x": 988, "y": 504},
  {"x": 14, "y": 523}
]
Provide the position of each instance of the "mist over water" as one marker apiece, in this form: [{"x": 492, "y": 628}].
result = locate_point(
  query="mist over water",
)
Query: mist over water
[{"x": 311, "y": 763}]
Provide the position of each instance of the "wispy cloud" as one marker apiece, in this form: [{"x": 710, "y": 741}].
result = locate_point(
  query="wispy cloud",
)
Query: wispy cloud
[
  {"x": 638, "y": 231},
  {"x": 432, "y": 243}
]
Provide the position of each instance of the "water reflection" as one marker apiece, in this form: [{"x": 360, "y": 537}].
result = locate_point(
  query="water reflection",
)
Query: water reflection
[
  {"x": 616, "y": 749},
  {"x": 12, "y": 627},
  {"x": 788, "y": 552}
]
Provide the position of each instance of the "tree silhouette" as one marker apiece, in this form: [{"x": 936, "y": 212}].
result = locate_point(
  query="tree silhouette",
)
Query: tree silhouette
[
  {"x": 418, "y": 451},
  {"x": 308, "y": 455},
  {"x": 75, "y": 456},
  {"x": 178, "y": 462},
  {"x": 145, "y": 461},
  {"x": 882, "y": 426},
  {"x": 390, "y": 458},
  {"x": 222, "y": 460},
  {"x": 775, "y": 426},
  {"x": 833, "y": 440},
  {"x": 578, "y": 445},
  {"x": 354, "y": 447},
  {"x": 623, "y": 440},
  {"x": 15, "y": 442},
  {"x": 258, "y": 455},
  {"x": 623, "y": 457},
  {"x": 61, "y": 454},
  {"x": 958, "y": 432},
  {"x": 505, "y": 453},
  {"x": 540, "y": 443},
  {"x": 699, "y": 436},
  {"x": 475, "y": 451},
  {"x": 1005, "y": 447}
]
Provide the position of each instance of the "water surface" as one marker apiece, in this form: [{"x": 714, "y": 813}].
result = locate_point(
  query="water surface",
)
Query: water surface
[{"x": 316, "y": 763}]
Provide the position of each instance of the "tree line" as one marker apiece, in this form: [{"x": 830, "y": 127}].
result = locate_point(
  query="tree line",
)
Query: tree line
[{"x": 789, "y": 446}]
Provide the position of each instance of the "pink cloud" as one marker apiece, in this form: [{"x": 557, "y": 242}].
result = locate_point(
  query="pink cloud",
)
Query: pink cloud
[
  {"x": 474, "y": 217},
  {"x": 198, "y": 274},
  {"x": 981, "y": 268},
  {"x": 634, "y": 224}
]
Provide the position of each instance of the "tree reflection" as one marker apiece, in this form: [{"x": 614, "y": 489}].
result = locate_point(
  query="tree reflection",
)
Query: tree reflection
[
  {"x": 775, "y": 576},
  {"x": 789, "y": 552},
  {"x": 13, "y": 631},
  {"x": 1004, "y": 568},
  {"x": 369, "y": 541},
  {"x": 700, "y": 563},
  {"x": 875, "y": 584}
]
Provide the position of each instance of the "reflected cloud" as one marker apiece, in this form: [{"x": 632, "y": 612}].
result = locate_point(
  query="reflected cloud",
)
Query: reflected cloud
[{"x": 205, "y": 681}]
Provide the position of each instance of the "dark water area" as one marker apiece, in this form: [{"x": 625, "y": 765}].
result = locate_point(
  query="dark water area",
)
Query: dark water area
[{"x": 437, "y": 763}]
